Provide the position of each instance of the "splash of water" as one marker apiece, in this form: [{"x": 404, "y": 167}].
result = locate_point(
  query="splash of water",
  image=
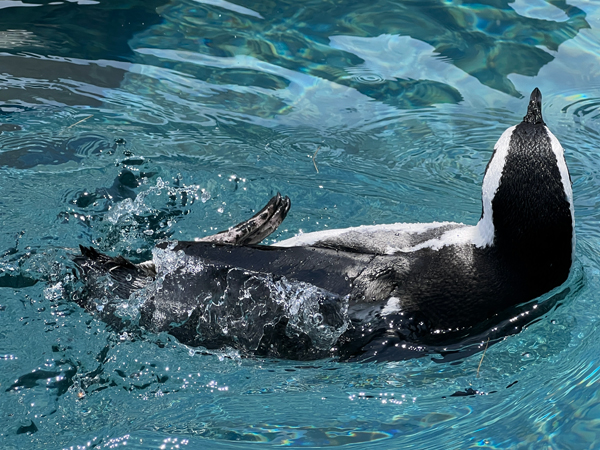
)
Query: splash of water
[
  {"x": 128, "y": 208},
  {"x": 215, "y": 306}
]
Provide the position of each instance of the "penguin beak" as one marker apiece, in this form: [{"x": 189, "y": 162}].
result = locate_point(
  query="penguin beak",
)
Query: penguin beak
[{"x": 534, "y": 109}]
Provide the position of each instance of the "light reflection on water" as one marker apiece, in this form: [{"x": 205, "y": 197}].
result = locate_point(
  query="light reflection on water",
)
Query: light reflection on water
[{"x": 205, "y": 109}]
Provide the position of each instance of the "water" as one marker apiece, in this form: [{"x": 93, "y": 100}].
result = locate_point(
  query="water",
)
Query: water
[{"x": 123, "y": 123}]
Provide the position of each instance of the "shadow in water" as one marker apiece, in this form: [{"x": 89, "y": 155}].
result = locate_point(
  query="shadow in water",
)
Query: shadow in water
[
  {"x": 70, "y": 45},
  {"x": 487, "y": 39}
]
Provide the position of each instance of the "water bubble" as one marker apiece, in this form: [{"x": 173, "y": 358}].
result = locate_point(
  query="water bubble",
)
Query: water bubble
[{"x": 54, "y": 292}]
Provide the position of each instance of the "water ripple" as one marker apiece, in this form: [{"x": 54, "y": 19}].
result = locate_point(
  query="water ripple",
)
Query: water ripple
[{"x": 116, "y": 121}]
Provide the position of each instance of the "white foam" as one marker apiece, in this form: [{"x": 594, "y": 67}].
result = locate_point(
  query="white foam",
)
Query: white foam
[{"x": 392, "y": 306}]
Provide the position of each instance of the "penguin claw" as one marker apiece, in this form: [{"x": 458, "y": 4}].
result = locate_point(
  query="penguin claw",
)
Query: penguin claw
[{"x": 258, "y": 227}]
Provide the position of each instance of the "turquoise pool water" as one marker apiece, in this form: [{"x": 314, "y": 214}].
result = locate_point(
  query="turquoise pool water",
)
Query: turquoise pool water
[{"x": 124, "y": 122}]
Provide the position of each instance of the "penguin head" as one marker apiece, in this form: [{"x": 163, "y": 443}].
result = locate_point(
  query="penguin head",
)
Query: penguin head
[
  {"x": 526, "y": 194},
  {"x": 534, "y": 109}
]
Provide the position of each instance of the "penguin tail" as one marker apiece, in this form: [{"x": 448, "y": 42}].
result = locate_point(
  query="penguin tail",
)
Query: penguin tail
[{"x": 126, "y": 275}]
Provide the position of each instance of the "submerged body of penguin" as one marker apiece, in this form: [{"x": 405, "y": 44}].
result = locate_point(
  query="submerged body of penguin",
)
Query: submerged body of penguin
[{"x": 372, "y": 292}]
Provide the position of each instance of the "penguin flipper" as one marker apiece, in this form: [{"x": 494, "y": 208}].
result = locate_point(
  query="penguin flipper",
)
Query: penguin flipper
[{"x": 258, "y": 227}]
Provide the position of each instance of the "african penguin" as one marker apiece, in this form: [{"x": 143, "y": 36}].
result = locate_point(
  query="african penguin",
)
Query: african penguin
[{"x": 372, "y": 292}]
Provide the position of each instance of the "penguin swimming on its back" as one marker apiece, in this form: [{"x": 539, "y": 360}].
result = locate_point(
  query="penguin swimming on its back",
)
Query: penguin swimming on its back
[{"x": 377, "y": 292}]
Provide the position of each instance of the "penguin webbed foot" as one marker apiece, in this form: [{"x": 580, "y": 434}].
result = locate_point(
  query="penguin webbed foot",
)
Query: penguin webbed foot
[{"x": 258, "y": 227}]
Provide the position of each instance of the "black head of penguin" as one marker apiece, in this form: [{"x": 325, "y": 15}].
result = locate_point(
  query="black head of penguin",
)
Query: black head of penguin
[{"x": 531, "y": 209}]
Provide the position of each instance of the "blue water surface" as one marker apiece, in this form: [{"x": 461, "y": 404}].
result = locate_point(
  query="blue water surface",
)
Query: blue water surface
[{"x": 127, "y": 122}]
